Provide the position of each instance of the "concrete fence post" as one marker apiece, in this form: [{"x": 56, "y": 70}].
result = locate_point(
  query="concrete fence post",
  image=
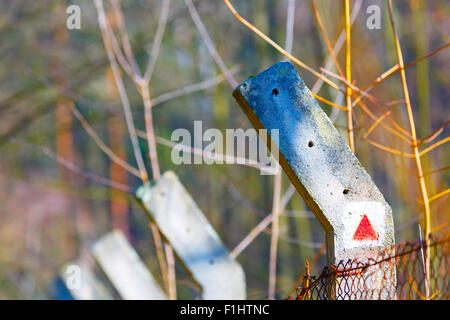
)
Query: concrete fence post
[
  {"x": 319, "y": 163},
  {"x": 88, "y": 286},
  {"x": 125, "y": 269},
  {"x": 196, "y": 243}
]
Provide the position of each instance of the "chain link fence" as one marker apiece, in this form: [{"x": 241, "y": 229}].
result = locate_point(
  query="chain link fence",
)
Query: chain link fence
[{"x": 352, "y": 280}]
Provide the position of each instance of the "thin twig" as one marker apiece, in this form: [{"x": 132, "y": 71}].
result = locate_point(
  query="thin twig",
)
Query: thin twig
[
  {"x": 436, "y": 171},
  {"x": 229, "y": 159},
  {"x": 434, "y": 134},
  {"x": 246, "y": 203},
  {"x": 274, "y": 238},
  {"x": 374, "y": 125},
  {"x": 395, "y": 132},
  {"x": 426, "y": 284},
  {"x": 149, "y": 129},
  {"x": 209, "y": 43},
  {"x": 124, "y": 36},
  {"x": 160, "y": 254},
  {"x": 439, "y": 195},
  {"x": 328, "y": 102},
  {"x": 327, "y": 40},
  {"x": 290, "y": 26},
  {"x": 99, "y": 142},
  {"x": 338, "y": 44},
  {"x": 122, "y": 91},
  {"x": 203, "y": 85},
  {"x": 391, "y": 150},
  {"x": 413, "y": 285},
  {"x": 435, "y": 145},
  {"x": 351, "y": 86},
  {"x": 251, "y": 236},
  {"x": 439, "y": 227},
  {"x": 123, "y": 62},
  {"x": 287, "y": 196},
  {"x": 308, "y": 244},
  {"x": 157, "y": 41},
  {"x": 72, "y": 167},
  {"x": 164, "y": 97},
  {"x": 396, "y": 69}
]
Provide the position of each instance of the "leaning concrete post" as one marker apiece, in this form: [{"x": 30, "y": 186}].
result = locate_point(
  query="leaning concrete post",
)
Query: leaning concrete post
[
  {"x": 357, "y": 220},
  {"x": 193, "y": 238},
  {"x": 125, "y": 269},
  {"x": 88, "y": 286}
]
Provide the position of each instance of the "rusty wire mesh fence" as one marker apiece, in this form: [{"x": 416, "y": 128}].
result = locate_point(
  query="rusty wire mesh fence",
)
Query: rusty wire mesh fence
[{"x": 353, "y": 280}]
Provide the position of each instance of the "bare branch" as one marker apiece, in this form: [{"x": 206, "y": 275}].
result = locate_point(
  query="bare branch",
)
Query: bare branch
[
  {"x": 290, "y": 26},
  {"x": 209, "y": 43},
  {"x": 415, "y": 149},
  {"x": 124, "y": 36},
  {"x": 112, "y": 156},
  {"x": 251, "y": 236},
  {"x": 276, "y": 46},
  {"x": 157, "y": 41},
  {"x": 192, "y": 88},
  {"x": 338, "y": 45},
  {"x": 150, "y": 131},
  {"x": 72, "y": 167},
  {"x": 275, "y": 234},
  {"x": 122, "y": 91},
  {"x": 213, "y": 156}
]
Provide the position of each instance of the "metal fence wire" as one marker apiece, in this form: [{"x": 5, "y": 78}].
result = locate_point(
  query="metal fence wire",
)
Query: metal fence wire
[{"x": 352, "y": 280}]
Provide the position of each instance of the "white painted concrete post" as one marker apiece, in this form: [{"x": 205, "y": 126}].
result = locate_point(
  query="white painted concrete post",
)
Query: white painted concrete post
[
  {"x": 193, "y": 238},
  {"x": 82, "y": 282},
  {"x": 125, "y": 269},
  {"x": 357, "y": 220}
]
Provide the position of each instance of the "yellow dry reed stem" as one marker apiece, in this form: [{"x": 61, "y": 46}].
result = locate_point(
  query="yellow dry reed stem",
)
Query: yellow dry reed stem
[
  {"x": 375, "y": 124},
  {"x": 348, "y": 77},
  {"x": 328, "y": 102},
  {"x": 391, "y": 150},
  {"x": 327, "y": 40},
  {"x": 280, "y": 49},
  {"x": 395, "y": 69},
  {"x": 437, "y": 144},
  {"x": 415, "y": 149},
  {"x": 440, "y": 194},
  {"x": 439, "y": 227},
  {"x": 436, "y": 171}
]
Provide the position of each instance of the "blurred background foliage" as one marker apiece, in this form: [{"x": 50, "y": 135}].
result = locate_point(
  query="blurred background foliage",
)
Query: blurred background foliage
[{"x": 49, "y": 214}]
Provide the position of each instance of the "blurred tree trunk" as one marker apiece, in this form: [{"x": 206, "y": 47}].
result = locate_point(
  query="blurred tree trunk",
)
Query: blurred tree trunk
[
  {"x": 116, "y": 134},
  {"x": 64, "y": 139}
]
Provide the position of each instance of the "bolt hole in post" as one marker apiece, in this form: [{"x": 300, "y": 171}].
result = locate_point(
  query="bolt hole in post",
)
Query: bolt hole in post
[
  {"x": 346, "y": 191},
  {"x": 310, "y": 144},
  {"x": 275, "y": 92}
]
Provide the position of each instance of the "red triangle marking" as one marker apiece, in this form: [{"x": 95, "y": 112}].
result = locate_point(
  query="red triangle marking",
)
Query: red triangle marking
[{"x": 365, "y": 231}]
